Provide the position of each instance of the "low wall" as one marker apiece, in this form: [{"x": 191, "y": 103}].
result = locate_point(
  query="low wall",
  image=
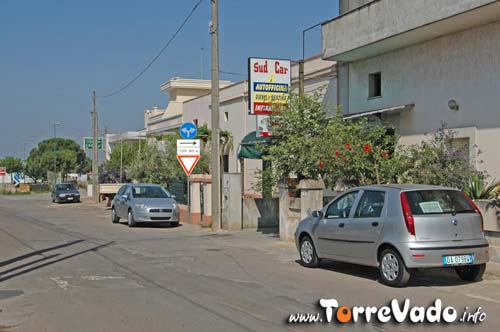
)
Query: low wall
[
  {"x": 260, "y": 213},
  {"x": 490, "y": 216}
]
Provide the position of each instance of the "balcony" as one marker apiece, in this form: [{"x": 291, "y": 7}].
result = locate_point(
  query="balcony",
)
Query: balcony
[{"x": 382, "y": 26}]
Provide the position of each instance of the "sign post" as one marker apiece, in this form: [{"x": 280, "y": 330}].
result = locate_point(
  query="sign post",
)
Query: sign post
[
  {"x": 188, "y": 154},
  {"x": 3, "y": 173}
]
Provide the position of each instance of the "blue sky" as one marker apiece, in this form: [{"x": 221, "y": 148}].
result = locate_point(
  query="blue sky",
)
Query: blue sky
[{"x": 53, "y": 53}]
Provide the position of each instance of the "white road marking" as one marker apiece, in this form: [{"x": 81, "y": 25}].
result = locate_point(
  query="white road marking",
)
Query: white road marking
[
  {"x": 63, "y": 284},
  {"x": 98, "y": 278}
]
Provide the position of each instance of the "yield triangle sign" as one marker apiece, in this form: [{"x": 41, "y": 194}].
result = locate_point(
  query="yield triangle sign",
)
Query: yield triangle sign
[{"x": 188, "y": 163}]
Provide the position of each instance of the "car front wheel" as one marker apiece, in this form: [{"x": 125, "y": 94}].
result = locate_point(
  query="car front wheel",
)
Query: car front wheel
[
  {"x": 130, "y": 219},
  {"x": 393, "y": 271},
  {"x": 114, "y": 217},
  {"x": 308, "y": 256},
  {"x": 471, "y": 272}
]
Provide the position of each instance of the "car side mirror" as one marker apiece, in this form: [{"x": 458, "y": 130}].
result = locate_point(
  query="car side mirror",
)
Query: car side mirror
[
  {"x": 125, "y": 197},
  {"x": 173, "y": 196},
  {"x": 317, "y": 214}
]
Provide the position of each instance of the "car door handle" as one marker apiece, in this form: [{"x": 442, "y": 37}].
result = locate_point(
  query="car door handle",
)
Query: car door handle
[
  {"x": 341, "y": 225},
  {"x": 375, "y": 223}
]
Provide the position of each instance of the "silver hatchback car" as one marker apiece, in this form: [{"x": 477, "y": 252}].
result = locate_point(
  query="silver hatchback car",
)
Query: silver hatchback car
[
  {"x": 144, "y": 203},
  {"x": 398, "y": 228}
]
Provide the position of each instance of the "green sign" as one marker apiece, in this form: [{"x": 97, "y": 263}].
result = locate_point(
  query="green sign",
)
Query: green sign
[{"x": 88, "y": 143}]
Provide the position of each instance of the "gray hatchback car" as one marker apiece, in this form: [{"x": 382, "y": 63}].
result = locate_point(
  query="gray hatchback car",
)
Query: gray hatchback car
[
  {"x": 398, "y": 228},
  {"x": 144, "y": 203}
]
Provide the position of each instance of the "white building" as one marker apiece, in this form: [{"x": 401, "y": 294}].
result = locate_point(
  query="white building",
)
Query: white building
[
  {"x": 235, "y": 117},
  {"x": 417, "y": 64}
]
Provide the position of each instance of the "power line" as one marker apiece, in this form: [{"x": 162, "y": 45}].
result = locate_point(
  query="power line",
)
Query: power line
[
  {"x": 157, "y": 56},
  {"x": 232, "y": 73}
]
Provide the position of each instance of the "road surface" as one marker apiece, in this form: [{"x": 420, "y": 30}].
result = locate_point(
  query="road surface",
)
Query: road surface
[{"x": 68, "y": 268}]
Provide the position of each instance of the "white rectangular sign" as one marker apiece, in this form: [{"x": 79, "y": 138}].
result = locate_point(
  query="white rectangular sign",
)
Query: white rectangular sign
[
  {"x": 188, "y": 147},
  {"x": 269, "y": 84}
]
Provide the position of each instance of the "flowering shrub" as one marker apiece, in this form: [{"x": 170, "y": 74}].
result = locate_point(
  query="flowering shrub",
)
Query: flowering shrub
[
  {"x": 434, "y": 161},
  {"x": 309, "y": 143}
]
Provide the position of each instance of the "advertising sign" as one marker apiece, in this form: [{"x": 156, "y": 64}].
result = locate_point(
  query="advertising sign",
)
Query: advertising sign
[
  {"x": 269, "y": 84},
  {"x": 3, "y": 171},
  {"x": 263, "y": 126}
]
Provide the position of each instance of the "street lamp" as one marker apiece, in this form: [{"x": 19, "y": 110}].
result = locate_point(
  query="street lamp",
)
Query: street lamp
[
  {"x": 55, "y": 157},
  {"x": 301, "y": 62}
]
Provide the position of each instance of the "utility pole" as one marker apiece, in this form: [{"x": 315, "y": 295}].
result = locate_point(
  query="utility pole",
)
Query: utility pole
[
  {"x": 216, "y": 179},
  {"x": 55, "y": 156},
  {"x": 95, "y": 171}
]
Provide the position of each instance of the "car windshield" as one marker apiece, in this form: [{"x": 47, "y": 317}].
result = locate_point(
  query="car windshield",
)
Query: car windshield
[
  {"x": 65, "y": 186},
  {"x": 438, "y": 202},
  {"x": 149, "y": 192}
]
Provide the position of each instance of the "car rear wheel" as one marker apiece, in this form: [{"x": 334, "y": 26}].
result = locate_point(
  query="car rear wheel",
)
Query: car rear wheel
[
  {"x": 393, "y": 271},
  {"x": 130, "y": 219},
  {"x": 471, "y": 272},
  {"x": 308, "y": 256},
  {"x": 114, "y": 217}
]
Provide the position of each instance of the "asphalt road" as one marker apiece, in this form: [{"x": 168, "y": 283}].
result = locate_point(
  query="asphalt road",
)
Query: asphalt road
[{"x": 68, "y": 268}]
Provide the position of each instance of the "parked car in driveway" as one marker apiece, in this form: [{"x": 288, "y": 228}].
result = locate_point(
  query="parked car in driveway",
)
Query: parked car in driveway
[
  {"x": 398, "y": 228},
  {"x": 144, "y": 203},
  {"x": 65, "y": 192}
]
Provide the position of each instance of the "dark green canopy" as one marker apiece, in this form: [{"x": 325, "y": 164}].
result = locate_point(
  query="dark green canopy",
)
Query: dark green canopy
[{"x": 249, "y": 146}]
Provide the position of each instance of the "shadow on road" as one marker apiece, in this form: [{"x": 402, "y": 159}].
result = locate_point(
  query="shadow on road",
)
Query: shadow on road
[
  {"x": 38, "y": 252},
  {"x": 34, "y": 268},
  {"x": 152, "y": 225},
  {"x": 420, "y": 278}
]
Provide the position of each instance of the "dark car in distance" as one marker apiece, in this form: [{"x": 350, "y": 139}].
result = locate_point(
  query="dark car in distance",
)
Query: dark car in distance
[{"x": 65, "y": 192}]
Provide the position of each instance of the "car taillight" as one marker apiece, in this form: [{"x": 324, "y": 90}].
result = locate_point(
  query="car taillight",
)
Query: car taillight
[
  {"x": 471, "y": 202},
  {"x": 409, "y": 221}
]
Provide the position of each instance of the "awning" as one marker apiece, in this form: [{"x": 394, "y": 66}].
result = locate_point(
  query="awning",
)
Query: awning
[
  {"x": 388, "y": 110},
  {"x": 249, "y": 146}
]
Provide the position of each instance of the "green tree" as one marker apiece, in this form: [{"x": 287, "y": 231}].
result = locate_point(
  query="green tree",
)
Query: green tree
[
  {"x": 67, "y": 153},
  {"x": 157, "y": 163},
  {"x": 122, "y": 157},
  {"x": 12, "y": 164},
  {"x": 308, "y": 142}
]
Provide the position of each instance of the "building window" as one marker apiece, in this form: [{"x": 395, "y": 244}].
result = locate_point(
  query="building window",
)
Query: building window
[
  {"x": 226, "y": 116},
  {"x": 375, "y": 85},
  {"x": 225, "y": 162}
]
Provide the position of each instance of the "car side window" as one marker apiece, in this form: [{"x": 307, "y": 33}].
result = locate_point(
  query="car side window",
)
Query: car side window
[
  {"x": 341, "y": 207},
  {"x": 370, "y": 205},
  {"x": 127, "y": 191},
  {"x": 121, "y": 190}
]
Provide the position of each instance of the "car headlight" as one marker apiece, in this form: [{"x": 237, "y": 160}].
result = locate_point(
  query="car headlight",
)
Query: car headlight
[
  {"x": 62, "y": 195},
  {"x": 140, "y": 206},
  {"x": 174, "y": 206}
]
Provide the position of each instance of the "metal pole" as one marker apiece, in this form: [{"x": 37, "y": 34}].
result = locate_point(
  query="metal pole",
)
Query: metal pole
[
  {"x": 301, "y": 62},
  {"x": 95, "y": 175},
  {"x": 121, "y": 160},
  {"x": 55, "y": 157},
  {"x": 216, "y": 181}
]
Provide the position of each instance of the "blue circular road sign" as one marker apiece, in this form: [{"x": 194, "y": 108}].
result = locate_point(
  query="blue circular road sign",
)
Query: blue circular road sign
[{"x": 188, "y": 130}]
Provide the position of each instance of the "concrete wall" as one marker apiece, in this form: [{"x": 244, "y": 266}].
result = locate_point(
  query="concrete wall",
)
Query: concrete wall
[
  {"x": 464, "y": 66},
  {"x": 369, "y": 24},
  {"x": 260, "y": 213}
]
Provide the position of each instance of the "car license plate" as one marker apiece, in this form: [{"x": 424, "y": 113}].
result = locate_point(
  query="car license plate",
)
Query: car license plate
[
  {"x": 70, "y": 198},
  {"x": 458, "y": 259}
]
